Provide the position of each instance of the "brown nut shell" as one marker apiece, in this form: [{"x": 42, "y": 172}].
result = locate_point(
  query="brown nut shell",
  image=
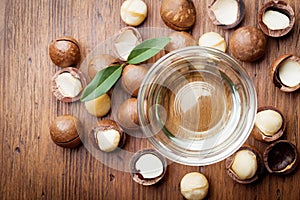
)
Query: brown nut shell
[
  {"x": 279, "y": 6},
  {"x": 100, "y": 62},
  {"x": 127, "y": 115},
  {"x": 180, "y": 39},
  {"x": 65, "y": 130},
  {"x": 274, "y": 72},
  {"x": 260, "y": 165},
  {"x": 257, "y": 134},
  {"x": 76, "y": 73},
  {"x": 179, "y": 15},
  {"x": 248, "y": 44},
  {"x": 137, "y": 176},
  {"x": 281, "y": 157},
  {"x": 64, "y": 51},
  {"x": 103, "y": 125},
  {"x": 240, "y": 14}
]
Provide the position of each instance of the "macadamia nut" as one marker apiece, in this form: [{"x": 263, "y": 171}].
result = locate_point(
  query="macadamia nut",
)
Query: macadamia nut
[
  {"x": 108, "y": 140},
  {"x": 289, "y": 73},
  {"x": 268, "y": 122},
  {"x": 275, "y": 20},
  {"x": 226, "y": 11},
  {"x": 133, "y": 12},
  {"x": 194, "y": 185},
  {"x": 149, "y": 166},
  {"x": 99, "y": 106},
  {"x": 244, "y": 164},
  {"x": 214, "y": 40},
  {"x": 68, "y": 85}
]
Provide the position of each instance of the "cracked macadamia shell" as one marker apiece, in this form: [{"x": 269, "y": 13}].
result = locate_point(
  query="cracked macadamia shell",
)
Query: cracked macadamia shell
[{"x": 248, "y": 44}]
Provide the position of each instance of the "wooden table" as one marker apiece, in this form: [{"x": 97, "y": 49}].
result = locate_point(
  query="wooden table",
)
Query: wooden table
[{"x": 33, "y": 167}]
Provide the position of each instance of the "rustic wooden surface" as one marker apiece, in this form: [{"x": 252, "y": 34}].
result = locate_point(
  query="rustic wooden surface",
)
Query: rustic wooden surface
[{"x": 33, "y": 167}]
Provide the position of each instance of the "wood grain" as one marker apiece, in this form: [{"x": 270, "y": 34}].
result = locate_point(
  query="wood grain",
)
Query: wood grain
[{"x": 33, "y": 167}]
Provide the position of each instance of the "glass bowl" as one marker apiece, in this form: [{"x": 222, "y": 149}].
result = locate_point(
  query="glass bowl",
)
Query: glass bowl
[{"x": 200, "y": 106}]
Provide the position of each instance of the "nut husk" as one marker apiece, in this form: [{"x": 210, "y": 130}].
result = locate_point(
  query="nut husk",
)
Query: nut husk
[
  {"x": 240, "y": 15},
  {"x": 274, "y": 72},
  {"x": 100, "y": 62},
  {"x": 281, "y": 157},
  {"x": 179, "y": 15},
  {"x": 180, "y": 39},
  {"x": 260, "y": 165},
  {"x": 257, "y": 134},
  {"x": 282, "y": 7}
]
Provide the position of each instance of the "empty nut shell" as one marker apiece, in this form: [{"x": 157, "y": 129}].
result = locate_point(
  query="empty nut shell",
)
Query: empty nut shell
[
  {"x": 285, "y": 73},
  {"x": 276, "y": 18},
  {"x": 269, "y": 125},
  {"x": 281, "y": 157}
]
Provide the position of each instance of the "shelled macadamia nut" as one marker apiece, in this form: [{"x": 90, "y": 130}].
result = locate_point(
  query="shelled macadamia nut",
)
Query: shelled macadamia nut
[
  {"x": 107, "y": 135},
  {"x": 180, "y": 39},
  {"x": 213, "y": 40},
  {"x": 65, "y": 130},
  {"x": 126, "y": 40},
  {"x": 248, "y": 44},
  {"x": 64, "y": 51},
  {"x": 276, "y": 18},
  {"x": 100, "y": 106},
  {"x": 269, "y": 124},
  {"x": 194, "y": 185},
  {"x": 68, "y": 84},
  {"x": 281, "y": 157},
  {"x": 127, "y": 114},
  {"x": 133, "y": 12},
  {"x": 245, "y": 166},
  {"x": 100, "y": 62},
  {"x": 147, "y": 167},
  {"x": 285, "y": 72},
  {"x": 179, "y": 15},
  {"x": 226, "y": 13}
]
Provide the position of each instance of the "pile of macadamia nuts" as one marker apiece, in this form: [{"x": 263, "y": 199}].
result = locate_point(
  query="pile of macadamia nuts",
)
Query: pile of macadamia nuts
[{"x": 247, "y": 44}]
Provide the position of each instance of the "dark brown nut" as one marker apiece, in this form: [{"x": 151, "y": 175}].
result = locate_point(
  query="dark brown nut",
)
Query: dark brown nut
[
  {"x": 246, "y": 165},
  {"x": 100, "y": 62},
  {"x": 147, "y": 167},
  {"x": 107, "y": 136},
  {"x": 281, "y": 157},
  {"x": 179, "y": 15},
  {"x": 64, "y": 51},
  {"x": 180, "y": 39},
  {"x": 226, "y": 14},
  {"x": 68, "y": 84},
  {"x": 65, "y": 130},
  {"x": 132, "y": 77},
  {"x": 125, "y": 41},
  {"x": 285, "y": 73},
  {"x": 276, "y": 18},
  {"x": 248, "y": 44},
  {"x": 269, "y": 124},
  {"x": 127, "y": 115}
]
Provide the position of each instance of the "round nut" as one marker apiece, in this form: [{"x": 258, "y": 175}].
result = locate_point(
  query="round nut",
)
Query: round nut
[
  {"x": 98, "y": 107},
  {"x": 276, "y": 18},
  {"x": 281, "y": 157},
  {"x": 194, "y": 185},
  {"x": 107, "y": 136},
  {"x": 100, "y": 62},
  {"x": 147, "y": 167},
  {"x": 180, "y": 39},
  {"x": 179, "y": 15},
  {"x": 213, "y": 40},
  {"x": 127, "y": 114},
  {"x": 133, "y": 12},
  {"x": 132, "y": 77},
  {"x": 285, "y": 73},
  {"x": 64, "y": 51},
  {"x": 245, "y": 165},
  {"x": 68, "y": 84},
  {"x": 226, "y": 13},
  {"x": 65, "y": 130},
  {"x": 248, "y": 44},
  {"x": 269, "y": 124}
]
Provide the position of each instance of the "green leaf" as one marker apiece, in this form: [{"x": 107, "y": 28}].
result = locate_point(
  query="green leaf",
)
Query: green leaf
[
  {"x": 147, "y": 49},
  {"x": 101, "y": 83}
]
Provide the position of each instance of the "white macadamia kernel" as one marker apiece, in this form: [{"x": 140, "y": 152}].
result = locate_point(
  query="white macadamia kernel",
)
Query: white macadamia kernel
[
  {"x": 68, "y": 85},
  {"x": 244, "y": 164},
  {"x": 275, "y": 20},
  {"x": 226, "y": 11},
  {"x": 194, "y": 185},
  {"x": 108, "y": 140},
  {"x": 214, "y": 40},
  {"x": 133, "y": 12},
  {"x": 149, "y": 166},
  {"x": 268, "y": 122},
  {"x": 99, "y": 106},
  {"x": 289, "y": 73}
]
